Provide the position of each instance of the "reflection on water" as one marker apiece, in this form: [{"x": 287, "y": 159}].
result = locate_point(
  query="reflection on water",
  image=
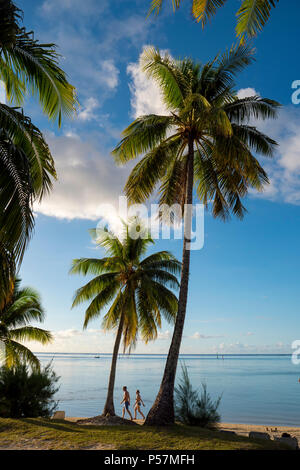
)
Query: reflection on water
[{"x": 257, "y": 389}]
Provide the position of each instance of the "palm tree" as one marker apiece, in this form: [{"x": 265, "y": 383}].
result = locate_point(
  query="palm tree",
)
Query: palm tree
[
  {"x": 19, "y": 309},
  {"x": 205, "y": 142},
  {"x": 137, "y": 288},
  {"x": 26, "y": 165},
  {"x": 251, "y": 16}
]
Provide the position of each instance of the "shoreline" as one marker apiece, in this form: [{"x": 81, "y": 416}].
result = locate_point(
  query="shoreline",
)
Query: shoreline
[{"x": 239, "y": 428}]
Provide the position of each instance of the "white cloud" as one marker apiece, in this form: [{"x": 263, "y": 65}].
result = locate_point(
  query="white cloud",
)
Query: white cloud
[
  {"x": 73, "y": 6},
  {"x": 245, "y": 92},
  {"x": 145, "y": 94},
  {"x": 95, "y": 340},
  {"x": 108, "y": 74},
  {"x": 197, "y": 335},
  {"x": 87, "y": 113},
  {"x": 89, "y": 41},
  {"x": 284, "y": 169},
  {"x": 164, "y": 335},
  {"x": 87, "y": 179}
]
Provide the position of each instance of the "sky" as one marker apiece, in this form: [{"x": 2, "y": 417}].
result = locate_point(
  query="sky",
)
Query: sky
[{"x": 244, "y": 283}]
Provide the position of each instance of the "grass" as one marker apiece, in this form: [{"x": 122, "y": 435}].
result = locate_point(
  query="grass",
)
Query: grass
[{"x": 42, "y": 433}]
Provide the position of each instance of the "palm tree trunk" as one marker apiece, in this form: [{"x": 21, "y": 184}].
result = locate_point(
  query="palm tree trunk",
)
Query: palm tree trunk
[
  {"x": 162, "y": 411},
  {"x": 109, "y": 408}
]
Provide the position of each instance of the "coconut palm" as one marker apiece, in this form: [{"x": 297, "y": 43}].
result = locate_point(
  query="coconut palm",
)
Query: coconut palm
[
  {"x": 26, "y": 165},
  {"x": 19, "y": 309},
  {"x": 136, "y": 288},
  {"x": 251, "y": 16},
  {"x": 206, "y": 143}
]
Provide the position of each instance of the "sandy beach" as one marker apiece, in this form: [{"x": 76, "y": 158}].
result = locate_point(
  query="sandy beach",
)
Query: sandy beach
[{"x": 240, "y": 429}]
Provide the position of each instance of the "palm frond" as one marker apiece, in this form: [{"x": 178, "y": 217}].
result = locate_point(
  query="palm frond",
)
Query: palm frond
[
  {"x": 94, "y": 266},
  {"x": 148, "y": 172},
  {"x": 141, "y": 135},
  {"x": 100, "y": 301},
  {"x": 94, "y": 287},
  {"x": 36, "y": 65},
  {"x": 255, "y": 107},
  {"x": 163, "y": 70},
  {"x": 31, "y": 333},
  {"x": 252, "y": 17},
  {"x": 203, "y": 10},
  {"x": 16, "y": 353}
]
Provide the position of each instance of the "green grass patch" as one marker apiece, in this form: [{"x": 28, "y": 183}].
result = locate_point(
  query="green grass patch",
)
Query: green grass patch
[{"x": 40, "y": 433}]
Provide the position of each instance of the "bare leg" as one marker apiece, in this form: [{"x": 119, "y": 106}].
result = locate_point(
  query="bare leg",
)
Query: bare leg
[
  {"x": 129, "y": 412},
  {"x": 141, "y": 413},
  {"x": 123, "y": 412},
  {"x": 135, "y": 408}
]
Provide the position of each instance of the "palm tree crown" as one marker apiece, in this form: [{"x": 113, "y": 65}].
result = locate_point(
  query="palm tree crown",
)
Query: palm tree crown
[
  {"x": 136, "y": 287},
  {"x": 23, "y": 307},
  {"x": 205, "y": 114}
]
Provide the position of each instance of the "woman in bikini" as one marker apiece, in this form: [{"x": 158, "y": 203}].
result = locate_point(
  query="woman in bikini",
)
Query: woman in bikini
[{"x": 138, "y": 403}]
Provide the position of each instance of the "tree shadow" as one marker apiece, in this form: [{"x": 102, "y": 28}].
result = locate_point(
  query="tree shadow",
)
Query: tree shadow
[{"x": 59, "y": 425}]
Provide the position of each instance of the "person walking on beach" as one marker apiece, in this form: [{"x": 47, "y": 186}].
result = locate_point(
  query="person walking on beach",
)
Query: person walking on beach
[
  {"x": 126, "y": 401},
  {"x": 137, "y": 405}
]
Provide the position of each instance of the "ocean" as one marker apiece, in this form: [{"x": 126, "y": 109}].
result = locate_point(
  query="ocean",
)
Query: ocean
[{"x": 256, "y": 389}]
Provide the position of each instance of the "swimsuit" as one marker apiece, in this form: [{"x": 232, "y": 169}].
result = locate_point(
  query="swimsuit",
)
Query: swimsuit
[{"x": 126, "y": 405}]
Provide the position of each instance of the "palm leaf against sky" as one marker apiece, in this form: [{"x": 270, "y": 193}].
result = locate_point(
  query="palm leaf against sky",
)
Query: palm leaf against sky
[
  {"x": 26, "y": 165},
  {"x": 204, "y": 143},
  {"x": 20, "y": 309},
  {"x": 135, "y": 290},
  {"x": 251, "y": 16}
]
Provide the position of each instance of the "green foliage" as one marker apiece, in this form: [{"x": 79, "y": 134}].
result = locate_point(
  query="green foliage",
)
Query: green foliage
[
  {"x": 135, "y": 289},
  {"x": 26, "y": 165},
  {"x": 19, "y": 309},
  {"x": 27, "y": 394},
  {"x": 251, "y": 16},
  {"x": 194, "y": 409}
]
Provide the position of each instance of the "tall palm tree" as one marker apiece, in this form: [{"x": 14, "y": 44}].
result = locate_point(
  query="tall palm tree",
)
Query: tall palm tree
[
  {"x": 26, "y": 165},
  {"x": 205, "y": 143},
  {"x": 20, "y": 308},
  {"x": 251, "y": 16},
  {"x": 137, "y": 288}
]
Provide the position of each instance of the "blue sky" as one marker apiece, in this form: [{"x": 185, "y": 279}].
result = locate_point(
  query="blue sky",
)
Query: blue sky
[{"x": 244, "y": 289}]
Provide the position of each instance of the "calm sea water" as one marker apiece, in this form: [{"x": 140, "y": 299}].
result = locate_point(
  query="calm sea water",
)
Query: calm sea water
[{"x": 257, "y": 389}]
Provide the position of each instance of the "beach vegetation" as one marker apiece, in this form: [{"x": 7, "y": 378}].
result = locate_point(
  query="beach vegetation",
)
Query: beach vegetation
[
  {"x": 27, "y": 68},
  {"x": 27, "y": 393},
  {"x": 21, "y": 307},
  {"x": 193, "y": 407}
]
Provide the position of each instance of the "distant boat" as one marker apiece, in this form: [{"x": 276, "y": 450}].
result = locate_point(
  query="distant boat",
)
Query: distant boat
[{"x": 97, "y": 357}]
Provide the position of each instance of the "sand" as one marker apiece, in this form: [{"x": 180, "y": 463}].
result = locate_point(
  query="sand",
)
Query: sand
[
  {"x": 242, "y": 429},
  {"x": 274, "y": 431}
]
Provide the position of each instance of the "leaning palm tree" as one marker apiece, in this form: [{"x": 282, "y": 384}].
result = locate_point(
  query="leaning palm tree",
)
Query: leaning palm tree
[
  {"x": 137, "y": 289},
  {"x": 26, "y": 165},
  {"x": 19, "y": 309},
  {"x": 251, "y": 16},
  {"x": 205, "y": 143}
]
